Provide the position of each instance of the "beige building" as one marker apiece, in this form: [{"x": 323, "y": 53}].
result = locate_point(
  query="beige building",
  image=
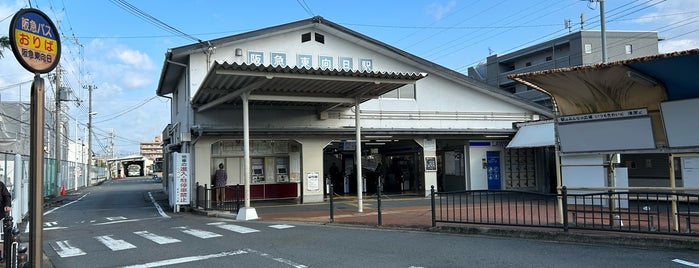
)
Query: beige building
[{"x": 152, "y": 149}]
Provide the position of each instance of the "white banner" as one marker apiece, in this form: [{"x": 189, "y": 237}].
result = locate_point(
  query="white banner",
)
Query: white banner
[{"x": 181, "y": 166}]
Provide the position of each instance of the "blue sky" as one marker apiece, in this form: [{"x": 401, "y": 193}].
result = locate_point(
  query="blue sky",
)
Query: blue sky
[{"x": 121, "y": 54}]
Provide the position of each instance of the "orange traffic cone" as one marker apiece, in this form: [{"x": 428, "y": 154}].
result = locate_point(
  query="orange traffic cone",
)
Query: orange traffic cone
[{"x": 63, "y": 190}]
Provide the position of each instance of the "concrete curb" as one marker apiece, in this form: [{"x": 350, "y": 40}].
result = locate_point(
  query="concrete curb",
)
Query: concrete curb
[{"x": 603, "y": 238}]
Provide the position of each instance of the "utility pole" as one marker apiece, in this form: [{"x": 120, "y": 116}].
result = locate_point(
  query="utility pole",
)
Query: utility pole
[
  {"x": 603, "y": 30},
  {"x": 602, "y": 27},
  {"x": 57, "y": 145},
  {"x": 89, "y": 132}
]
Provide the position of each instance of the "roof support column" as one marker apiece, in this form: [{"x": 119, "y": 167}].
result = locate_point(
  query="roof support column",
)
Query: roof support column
[
  {"x": 246, "y": 213},
  {"x": 358, "y": 154}
]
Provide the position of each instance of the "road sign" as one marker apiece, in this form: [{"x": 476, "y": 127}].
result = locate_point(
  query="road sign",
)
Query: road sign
[{"x": 35, "y": 40}]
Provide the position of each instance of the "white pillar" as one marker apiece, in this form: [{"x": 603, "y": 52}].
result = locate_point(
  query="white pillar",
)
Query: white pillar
[
  {"x": 358, "y": 154},
  {"x": 246, "y": 213}
]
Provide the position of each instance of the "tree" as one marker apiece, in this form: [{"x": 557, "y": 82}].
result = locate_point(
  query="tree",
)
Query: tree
[{"x": 4, "y": 43}]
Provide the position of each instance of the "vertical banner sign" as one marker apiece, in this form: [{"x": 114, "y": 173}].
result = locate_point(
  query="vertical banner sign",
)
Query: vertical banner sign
[
  {"x": 35, "y": 41},
  {"x": 181, "y": 161},
  {"x": 493, "y": 166}
]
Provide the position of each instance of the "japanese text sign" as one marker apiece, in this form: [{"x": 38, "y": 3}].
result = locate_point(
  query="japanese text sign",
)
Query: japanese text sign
[{"x": 35, "y": 41}]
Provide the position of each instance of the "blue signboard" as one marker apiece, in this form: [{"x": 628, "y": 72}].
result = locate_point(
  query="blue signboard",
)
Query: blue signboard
[{"x": 493, "y": 169}]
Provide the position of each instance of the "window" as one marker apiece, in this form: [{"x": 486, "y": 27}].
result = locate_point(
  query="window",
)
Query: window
[
  {"x": 549, "y": 58},
  {"x": 406, "y": 92},
  {"x": 628, "y": 48},
  {"x": 320, "y": 38},
  {"x": 305, "y": 37},
  {"x": 529, "y": 63},
  {"x": 588, "y": 48}
]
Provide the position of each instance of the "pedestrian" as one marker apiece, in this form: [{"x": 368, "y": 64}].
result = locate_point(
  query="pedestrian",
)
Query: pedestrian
[
  {"x": 221, "y": 181},
  {"x": 6, "y": 201},
  {"x": 6, "y": 204}
]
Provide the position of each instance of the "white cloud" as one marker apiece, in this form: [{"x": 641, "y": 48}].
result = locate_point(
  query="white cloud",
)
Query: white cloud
[
  {"x": 676, "y": 22},
  {"x": 678, "y": 45},
  {"x": 134, "y": 58},
  {"x": 438, "y": 10},
  {"x": 118, "y": 64}
]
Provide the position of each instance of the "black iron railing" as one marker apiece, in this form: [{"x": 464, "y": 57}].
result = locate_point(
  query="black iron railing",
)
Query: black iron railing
[
  {"x": 230, "y": 201},
  {"x": 625, "y": 211}
]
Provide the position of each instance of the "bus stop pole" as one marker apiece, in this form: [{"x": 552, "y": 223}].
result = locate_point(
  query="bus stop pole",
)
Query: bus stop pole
[{"x": 36, "y": 172}]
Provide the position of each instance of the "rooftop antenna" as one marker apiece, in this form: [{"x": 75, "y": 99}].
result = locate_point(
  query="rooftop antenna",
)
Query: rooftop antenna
[
  {"x": 566, "y": 24},
  {"x": 582, "y": 21}
]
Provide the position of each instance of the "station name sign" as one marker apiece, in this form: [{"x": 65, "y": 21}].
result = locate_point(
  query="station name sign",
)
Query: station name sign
[
  {"x": 603, "y": 116},
  {"x": 309, "y": 61}
]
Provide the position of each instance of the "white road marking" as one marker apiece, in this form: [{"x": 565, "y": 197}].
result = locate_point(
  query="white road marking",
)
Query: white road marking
[
  {"x": 160, "y": 210},
  {"x": 113, "y": 222},
  {"x": 67, "y": 204},
  {"x": 26, "y": 229},
  {"x": 280, "y": 260},
  {"x": 66, "y": 250},
  {"x": 188, "y": 259},
  {"x": 281, "y": 226},
  {"x": 54, "y": 228},
  {"x": 114, "y": 244},
  {"x": 157, "y": 238},
  {"x": 51, "y": 223},
  {"x": 198, "y": 233},
  {"x": 115, "y": 218},
  {"x": 688, "y": 263},
  {"x": 233, "y": 227}
]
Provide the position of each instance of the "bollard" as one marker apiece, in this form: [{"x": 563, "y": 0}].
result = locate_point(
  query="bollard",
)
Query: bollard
[
  {"x": 378, "y": 201},
  {"x": 689, "y": 225},
  {"x": 332, "y": 194},
  {"x": 564, "y": 204},
  {"x": 8, "y": 241},
  {"x": 434, "y": 215}
]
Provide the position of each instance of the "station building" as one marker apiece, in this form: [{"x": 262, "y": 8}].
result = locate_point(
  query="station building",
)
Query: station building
[{"x": 296, "y": 98}]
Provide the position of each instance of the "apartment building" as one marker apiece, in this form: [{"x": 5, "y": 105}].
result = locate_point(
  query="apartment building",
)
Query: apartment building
[
  {"x": 575, "y": 49},
  {"x": 152, "y": 149}
]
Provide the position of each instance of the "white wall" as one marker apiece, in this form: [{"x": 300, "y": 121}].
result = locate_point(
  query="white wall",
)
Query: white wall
[{"x": 478, "y": 176}]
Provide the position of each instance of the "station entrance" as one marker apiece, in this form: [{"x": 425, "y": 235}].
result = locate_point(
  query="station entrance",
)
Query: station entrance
[{"x": 397, "y": 164}]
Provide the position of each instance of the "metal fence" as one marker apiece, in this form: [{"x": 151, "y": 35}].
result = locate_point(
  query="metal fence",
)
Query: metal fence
[
  {"x": 232, "y": 198},
  {"x": 14, "y": 172},
  {"x": 675, "y": 213}
]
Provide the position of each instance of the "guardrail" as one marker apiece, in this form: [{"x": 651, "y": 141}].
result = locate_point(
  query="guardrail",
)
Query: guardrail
[
  {"x": 660, "y": 212},
  {"x": 206, "y": 198}
]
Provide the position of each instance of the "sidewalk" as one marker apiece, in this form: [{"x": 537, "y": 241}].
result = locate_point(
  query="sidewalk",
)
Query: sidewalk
[{"x": 415, "y": 213}]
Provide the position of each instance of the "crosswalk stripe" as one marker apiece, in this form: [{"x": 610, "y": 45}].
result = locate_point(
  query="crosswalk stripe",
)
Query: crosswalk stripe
[
  {"x": 114, "y": 244},
  {"x": 66, "y": 250},
  {"x": 234, "y": 228},
  {"x": 201, "y": 233},
  {"x": 281, "y": 226},
  {"x": 157, "y": 238}
]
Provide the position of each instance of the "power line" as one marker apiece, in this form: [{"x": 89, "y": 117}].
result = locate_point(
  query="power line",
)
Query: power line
[
  {"x": 152, "y": 20},
  {"x": 305, "y": 7},
  {"x": 127, "y": 110}
]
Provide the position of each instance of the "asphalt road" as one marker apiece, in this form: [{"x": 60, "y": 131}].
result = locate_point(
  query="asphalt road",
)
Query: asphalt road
[{"x": 118, "y": 224}]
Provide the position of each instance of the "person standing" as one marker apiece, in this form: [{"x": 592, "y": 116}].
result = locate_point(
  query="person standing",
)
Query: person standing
[
  {"x": 6, "y": 204},
  {"x": 221, "y": 181},
  {"x": 6, "y": 201}
]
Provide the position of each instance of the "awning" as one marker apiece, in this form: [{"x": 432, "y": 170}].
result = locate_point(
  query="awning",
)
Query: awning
[
  {"x": 533, "y": 135},
  {"x": 641, "y": 83},
  {"x": 294, "y": 86}
]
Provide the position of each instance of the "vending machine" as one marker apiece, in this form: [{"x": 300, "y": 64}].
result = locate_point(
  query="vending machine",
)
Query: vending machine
[
  {"x": 258, "y": 170},
  {"x": 282, "y": 169}
]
